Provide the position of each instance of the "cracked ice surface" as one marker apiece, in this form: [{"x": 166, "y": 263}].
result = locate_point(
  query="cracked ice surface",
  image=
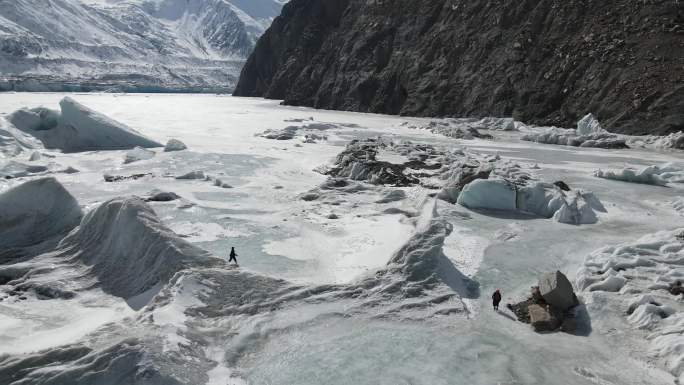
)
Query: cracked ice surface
[{"x": 365, "y": 283}]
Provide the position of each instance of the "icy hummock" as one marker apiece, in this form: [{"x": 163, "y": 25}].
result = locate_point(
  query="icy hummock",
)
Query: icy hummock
[
  {"x": 637, "y": 278},
  {"x": 129, "y": 249},
  {"x": 655, "y": 175},
  {"x": 672, "y": 141},
  {"x": 544, "y": 199},
  {"x": 138, "y": 154},
  {"x": 175, "y": 145},
  {"x": 588, "y": 133},
  {"x": 14, "y": 141},
  {"x": 36, "y": 211},
  {"x": 77, "y": 128}
]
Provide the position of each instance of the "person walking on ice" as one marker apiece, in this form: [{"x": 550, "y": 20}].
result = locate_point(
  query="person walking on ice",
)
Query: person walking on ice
[
  {"x": 496, "y": 298},
  {"x": 233, "y": 254}
]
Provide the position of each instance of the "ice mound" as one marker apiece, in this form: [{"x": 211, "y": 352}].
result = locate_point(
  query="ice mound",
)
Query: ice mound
[
  {"x": 499, "y": 124},
  {"x": 12, "y": 169},
  {"x": 125, "y": 362},
  {"x": 453, "y": 128},
  {"x": 161, "y": 196},
  {"x": 129, "y": 249},
  {"x": 589, "y": 125},
  {"x": 418, "y": 282},
  {"x": 492, "y": 194},
  {"x": 193, "y": 175},
  {"x": 543, "y": 199},
  {"x": 77, "y": 128},
  {"x": 138, "y": 154},
  {"x": 589, "y": 133},
  {"x": 175, "y": 145},
  {"x": 655, "y": 175},
  {"x": 673, "y": 141},
  {"x": 310, "y": 132},
  {"x": 36, "y": 211},
  {"x": 392, "y": 196},
  {"x": 643, "y": 280},
  {"x": 678, "y": 205},
  {"x": 418, "y": 277},
  {"x": 13, "y": 141}
]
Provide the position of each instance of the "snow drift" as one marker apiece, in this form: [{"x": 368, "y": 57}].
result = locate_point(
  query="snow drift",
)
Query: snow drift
[
  {"x": 643, "y": 279},
  {"x": 129, "y": 249},
  {"x": 36, "y": 211},
  {"x": 77, "y": 128}
]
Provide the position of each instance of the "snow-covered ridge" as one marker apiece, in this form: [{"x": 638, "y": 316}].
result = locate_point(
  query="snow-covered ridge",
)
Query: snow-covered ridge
[
  {"x": 128, "y": 45},
  {"x": 129, "y": 249}
]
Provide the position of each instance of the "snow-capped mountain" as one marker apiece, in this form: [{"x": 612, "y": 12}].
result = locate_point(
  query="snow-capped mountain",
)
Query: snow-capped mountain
[{"x": 183, "y": 45}]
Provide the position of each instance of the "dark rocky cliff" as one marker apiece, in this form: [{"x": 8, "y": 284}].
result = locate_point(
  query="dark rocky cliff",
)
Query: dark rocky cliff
[{"x": 542, "y": 61}]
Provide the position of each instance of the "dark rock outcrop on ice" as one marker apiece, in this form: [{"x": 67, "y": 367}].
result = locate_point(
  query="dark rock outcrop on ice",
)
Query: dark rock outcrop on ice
[
  {"x": 543, "y": 62},
  {"x": 550, "y": 306}
]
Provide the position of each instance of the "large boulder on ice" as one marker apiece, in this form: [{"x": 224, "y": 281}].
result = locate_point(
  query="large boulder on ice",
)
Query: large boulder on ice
[
  {"x": 492, "y": 194},
  {"x": 77, "y": 128},
  {"x": 557, "y": 290},
  {"x": 542, "y": 319},
  {"x": 36, "y": 211},
  {"x": 129, "y": 249}
]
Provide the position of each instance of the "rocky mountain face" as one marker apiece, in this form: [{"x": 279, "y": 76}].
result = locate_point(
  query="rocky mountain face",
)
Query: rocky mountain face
[
  {"x": 128, "y": 45},
  {"x": 543, "y": 62}
]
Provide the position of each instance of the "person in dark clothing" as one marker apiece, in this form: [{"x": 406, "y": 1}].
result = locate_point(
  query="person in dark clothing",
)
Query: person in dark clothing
[
  {"x": 233, "y": 254},
  {"x": 496, "y": 298}
]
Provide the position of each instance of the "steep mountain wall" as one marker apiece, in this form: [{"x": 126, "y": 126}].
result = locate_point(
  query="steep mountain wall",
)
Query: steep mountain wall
[{"x": 542, "y": 61}]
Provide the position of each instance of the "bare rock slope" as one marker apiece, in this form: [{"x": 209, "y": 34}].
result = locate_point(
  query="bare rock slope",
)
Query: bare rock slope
[{"x": 543, "y": 62}]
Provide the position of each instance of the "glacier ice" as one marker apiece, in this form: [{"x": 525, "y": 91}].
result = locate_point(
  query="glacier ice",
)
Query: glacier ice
[
  {"x": 655, "y": 175},
  {"x": 174, "y": 145},
  {"x": 491, "y": 194},
  {"x": 129, "y": 249},
  {"x": 13, "y": 141},
  {"x": 543, "y": 199},
  {"x": 636, "y": 276},
  {"x": 138, "y": 154},
  {"x": 77, "y": 128},
  {"x": 36, "y": 211}
]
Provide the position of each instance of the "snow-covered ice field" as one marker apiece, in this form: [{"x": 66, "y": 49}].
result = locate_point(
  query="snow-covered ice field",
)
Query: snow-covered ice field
[{"x": 336, "y": 285}]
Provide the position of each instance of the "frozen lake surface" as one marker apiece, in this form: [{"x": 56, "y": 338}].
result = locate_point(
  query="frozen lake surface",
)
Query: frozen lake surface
[{"x": 311, "y": 303}]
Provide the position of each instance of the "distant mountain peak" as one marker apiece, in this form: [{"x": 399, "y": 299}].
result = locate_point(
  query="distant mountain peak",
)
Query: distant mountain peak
[{"x": 175, "y": 45}]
